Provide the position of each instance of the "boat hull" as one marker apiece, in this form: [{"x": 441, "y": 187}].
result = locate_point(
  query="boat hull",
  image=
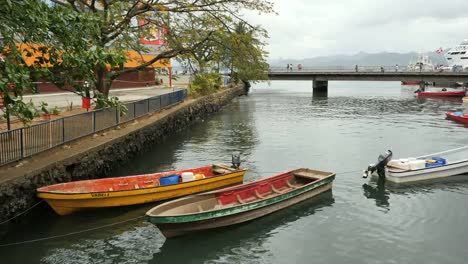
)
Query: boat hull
[
  {"x": 442, "y": 94},
  {"x": 67, "y": 203},
  {"x": 457, "y": 118},
  {"x": 176, "y": 226},
  {"x": 427, "y": 173}
]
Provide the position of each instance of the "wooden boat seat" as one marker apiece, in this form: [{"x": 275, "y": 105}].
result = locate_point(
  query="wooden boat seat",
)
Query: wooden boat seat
[
  {"x": 305, "y": 174},
  {"x": 275, "y": 190},
  {"x": 220, "y": 171},
  {"x": 224, "y": 167},
  {"x": 258, "y": 195},
  {"x": 218, "y": 205},
  {"x": 290, "y": 185},
  {"x": 239, "y": 199}
]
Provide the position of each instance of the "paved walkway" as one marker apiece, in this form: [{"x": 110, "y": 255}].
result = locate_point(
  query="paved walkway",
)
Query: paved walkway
[{"x": 63, "y": 100}]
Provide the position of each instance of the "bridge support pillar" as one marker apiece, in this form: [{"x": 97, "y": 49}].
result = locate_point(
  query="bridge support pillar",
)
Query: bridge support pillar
[{"x": 320, "y": 88}]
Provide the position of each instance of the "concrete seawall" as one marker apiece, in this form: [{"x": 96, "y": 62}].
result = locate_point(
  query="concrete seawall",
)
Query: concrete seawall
[{"x": 95, "y": 156}]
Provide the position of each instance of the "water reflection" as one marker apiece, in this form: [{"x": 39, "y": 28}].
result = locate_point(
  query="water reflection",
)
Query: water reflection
[
  {"x": 457, "y": 183},
  {"x": 203, "y": 140},
  {"x": 135, "y": 245},
  {"x": 243, "y": 243},
  {"x": 377, "y": 192},
  {"x": 130, "y": 232},
  {"x": 380, "y": 190},
  {"x": 239, "y": 129}
]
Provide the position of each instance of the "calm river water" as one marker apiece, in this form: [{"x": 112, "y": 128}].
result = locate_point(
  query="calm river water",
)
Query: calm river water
[{"x": 280, "y": 127}]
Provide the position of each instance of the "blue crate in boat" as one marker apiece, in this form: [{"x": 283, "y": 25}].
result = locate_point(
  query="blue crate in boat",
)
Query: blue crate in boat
[
  {"x": 430, "y": 165},
  {"x": 438, "y": 162},
  {"x": 169, "y": 180}
]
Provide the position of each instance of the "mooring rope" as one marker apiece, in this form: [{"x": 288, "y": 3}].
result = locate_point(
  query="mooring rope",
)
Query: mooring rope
[
  {"x": 69, "y": 234},
  {"x": 352, "y": 171},
  {"x": 341, "y": 172},
  {"x": 22, "y": 212}
]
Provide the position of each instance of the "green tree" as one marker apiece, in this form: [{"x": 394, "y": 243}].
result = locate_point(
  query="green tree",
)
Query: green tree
[
  {"x": 244, "y": 53},
  {"x": 190, "y": 24},
  {"x": 239, "y": 49},
  {"x": 82, "y": 40}
]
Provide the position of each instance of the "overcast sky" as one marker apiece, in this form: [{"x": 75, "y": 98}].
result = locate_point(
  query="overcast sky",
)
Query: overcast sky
[{"x": 310, "y": 28}]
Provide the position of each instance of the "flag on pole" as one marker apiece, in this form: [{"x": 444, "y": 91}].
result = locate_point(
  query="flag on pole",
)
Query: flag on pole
[{"x": 440, "y": 51}]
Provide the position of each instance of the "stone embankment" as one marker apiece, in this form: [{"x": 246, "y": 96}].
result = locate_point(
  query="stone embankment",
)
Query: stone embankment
[{"x": 95, "y": 156}]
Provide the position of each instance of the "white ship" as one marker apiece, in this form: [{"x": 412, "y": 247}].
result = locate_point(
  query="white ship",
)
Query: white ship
[
  {"x": 458, "y": 57},
  {"x": 422, "y": 63}
]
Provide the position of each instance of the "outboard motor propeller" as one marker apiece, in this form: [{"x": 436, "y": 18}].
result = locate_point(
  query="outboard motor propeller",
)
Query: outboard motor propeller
[
  {"x": 236, "y": 162},
  {"x": 382, "y": 160}
]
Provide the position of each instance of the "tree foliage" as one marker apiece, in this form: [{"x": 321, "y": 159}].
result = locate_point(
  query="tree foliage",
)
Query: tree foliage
[
  {"x": 88, "y": 40},
  {"x": 205, "y": 83}
]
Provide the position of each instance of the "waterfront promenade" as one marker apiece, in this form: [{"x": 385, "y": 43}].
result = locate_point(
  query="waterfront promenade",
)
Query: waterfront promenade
[
  {"x": 70, "y": 103},
  {"x": 64, "y": 99}
]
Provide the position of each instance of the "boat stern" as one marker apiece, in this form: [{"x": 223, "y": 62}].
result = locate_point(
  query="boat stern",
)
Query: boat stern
[{"x": 379, "y": 166}]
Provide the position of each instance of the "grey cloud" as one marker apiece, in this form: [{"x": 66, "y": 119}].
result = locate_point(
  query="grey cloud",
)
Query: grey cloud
[{"x": 315, "y": 28}]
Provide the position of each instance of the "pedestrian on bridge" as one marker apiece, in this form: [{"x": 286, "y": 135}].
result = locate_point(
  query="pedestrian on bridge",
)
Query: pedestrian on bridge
[
  {"x": 287, "y": 67},
  {"x": 356, "y": 68},
  {"x": 396, "y": 68},
  {"x": 382, "y": 69}
]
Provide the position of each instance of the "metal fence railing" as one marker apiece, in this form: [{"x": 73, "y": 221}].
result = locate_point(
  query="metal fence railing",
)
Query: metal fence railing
[
  {"x": 360, "y": 68},
  {"x": 24, "y": 142}
]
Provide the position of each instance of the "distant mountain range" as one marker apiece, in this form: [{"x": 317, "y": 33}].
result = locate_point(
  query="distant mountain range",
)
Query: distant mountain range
[{"x": 362, "y": 58}]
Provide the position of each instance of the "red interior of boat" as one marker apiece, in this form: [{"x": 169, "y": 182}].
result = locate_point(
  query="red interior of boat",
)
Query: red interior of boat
[
  {"x": 120, "y": 183},
  {"x": 256, "y": 190}
]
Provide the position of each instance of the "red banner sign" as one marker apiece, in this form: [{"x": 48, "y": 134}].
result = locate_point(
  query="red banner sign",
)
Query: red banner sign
[{"x": 157, "y": 34}]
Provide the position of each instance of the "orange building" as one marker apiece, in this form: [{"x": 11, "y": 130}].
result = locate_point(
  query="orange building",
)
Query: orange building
[{"x": 141, "y": 78}]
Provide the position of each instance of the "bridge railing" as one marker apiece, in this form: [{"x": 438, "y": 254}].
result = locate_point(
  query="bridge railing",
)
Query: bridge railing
[{"x": 360, "y": 68}]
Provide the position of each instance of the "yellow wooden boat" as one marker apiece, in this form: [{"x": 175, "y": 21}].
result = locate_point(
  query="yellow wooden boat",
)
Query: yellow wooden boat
[{"x": 66, "y": 198}]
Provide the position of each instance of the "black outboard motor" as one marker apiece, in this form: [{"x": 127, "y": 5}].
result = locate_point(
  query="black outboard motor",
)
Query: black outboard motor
[
  {"x": 236, "y": 162},
  {"x": 382, "y": 160}
]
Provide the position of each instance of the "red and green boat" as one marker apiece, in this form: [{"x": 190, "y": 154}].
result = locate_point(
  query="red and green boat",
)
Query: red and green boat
[{"x": 239, "y": 204}]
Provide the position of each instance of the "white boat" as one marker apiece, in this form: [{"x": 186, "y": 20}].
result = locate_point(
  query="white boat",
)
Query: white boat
[
  {"x": 422, "y": 63},
  {"x": 432, "y": 166},
  {"x": 457, "y": 57}
]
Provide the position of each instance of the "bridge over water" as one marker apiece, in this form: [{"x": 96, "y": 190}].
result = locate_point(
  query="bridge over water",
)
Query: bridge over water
[{"x": 321, "y": 76}]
